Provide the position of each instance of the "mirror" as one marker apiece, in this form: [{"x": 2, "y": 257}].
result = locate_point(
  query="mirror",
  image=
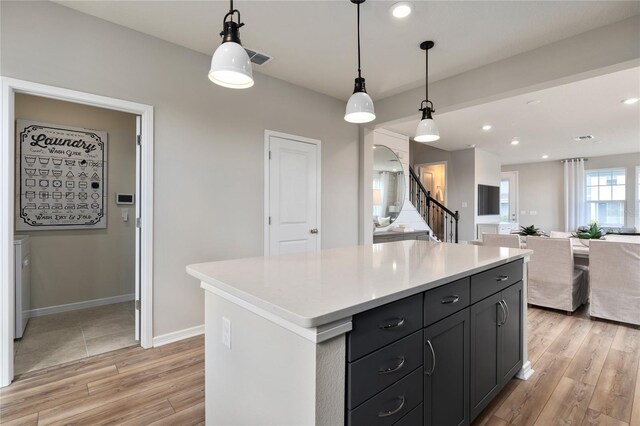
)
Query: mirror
[{"x": 388, "y": 186}]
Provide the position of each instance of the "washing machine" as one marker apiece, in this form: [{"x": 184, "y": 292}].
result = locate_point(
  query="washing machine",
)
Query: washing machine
[{"x": 23, "y": 283}]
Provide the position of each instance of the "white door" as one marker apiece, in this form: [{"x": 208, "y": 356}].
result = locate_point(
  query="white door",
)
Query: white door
[
  {"x": 294, "y": 196},
  {"x": 138, "y": 227},
  {"x": 509, "y": 197}
]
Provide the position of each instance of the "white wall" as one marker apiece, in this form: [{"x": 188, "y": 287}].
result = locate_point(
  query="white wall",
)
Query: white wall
[
  {"x": 208, "y": 140},
  {"x": 541, "y": 189},
  {"x": 487, "y": 172},
  {"x": 69, "y": 266}
]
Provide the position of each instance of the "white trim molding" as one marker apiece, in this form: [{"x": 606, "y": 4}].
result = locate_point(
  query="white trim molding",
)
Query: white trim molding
[
  {"x": 39, "y": 312},
  {"x": 175, "y": 336},
  {"x": 267, "y": 198},
  {"x": 10, "y": 87}
]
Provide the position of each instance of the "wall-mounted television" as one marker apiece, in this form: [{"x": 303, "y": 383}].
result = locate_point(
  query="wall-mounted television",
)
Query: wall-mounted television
[{"x": 488, "y": 200}]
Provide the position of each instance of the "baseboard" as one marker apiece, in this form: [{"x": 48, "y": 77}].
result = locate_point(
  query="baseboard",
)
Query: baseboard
[
  {"x": 165, "y": 339},
  {"x": 525, "y": 372},
  {"x": 80, "y": 305}
]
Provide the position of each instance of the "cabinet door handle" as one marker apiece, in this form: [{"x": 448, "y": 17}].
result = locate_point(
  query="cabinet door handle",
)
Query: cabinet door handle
[
  {"x": 450, "y": 299},
  {"x": 389, "y": 326},
  {"x": 504, "y": 314},
  {"x": 395, "y": 410},
  {"x": 392, "y": 369},
  {"x": 433, "y": 359},
  {"x": 507, "y": 315},
  {"x": 314, "y": 231},
  {"x": 502, "y": 277}
]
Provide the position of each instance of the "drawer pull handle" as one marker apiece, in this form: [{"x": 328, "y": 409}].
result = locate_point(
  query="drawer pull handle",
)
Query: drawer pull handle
[
  {"x": 390, "y": 326},
  {"x": 433, "y": 359},
  {"x": 506, "y": 318},
  {"x": 502, "y": 277},
  {"x": 395, "y": 410},
  {"x": 393, "y": 369},
  {"x": 450, "y": 299},
  {"x": 504, "y": 314}
]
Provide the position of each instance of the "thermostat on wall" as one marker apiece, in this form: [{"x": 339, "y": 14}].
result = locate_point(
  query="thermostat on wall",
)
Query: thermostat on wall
[{"x": 124, "y": 198}]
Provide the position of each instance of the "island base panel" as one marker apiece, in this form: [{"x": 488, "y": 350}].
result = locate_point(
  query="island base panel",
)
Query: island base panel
[{"x": 269, "y": 375}]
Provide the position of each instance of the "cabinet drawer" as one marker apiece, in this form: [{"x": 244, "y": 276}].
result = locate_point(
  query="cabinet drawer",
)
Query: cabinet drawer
[
  {"x": 412, "y": 419},
  {"x": 494, "y": 280},
  {"x": 446, "y": 300},
  {"x": 390, "y": 405},
  {"x": 383, "y": 325},
  {"x": 371, "y": 374}
]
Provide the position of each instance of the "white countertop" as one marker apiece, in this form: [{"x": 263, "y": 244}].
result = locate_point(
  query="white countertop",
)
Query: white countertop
[{"x": 317, "y": 288}]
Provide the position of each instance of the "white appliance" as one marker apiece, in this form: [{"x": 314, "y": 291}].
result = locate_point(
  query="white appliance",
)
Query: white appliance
[{"x": 23, "y": 283}]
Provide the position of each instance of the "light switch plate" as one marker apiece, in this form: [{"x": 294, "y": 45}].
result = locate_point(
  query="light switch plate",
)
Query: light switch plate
[{"x": 226, "y": 332}]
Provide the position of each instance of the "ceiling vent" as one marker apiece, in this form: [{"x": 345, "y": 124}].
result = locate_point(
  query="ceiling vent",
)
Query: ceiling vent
[
  {"x": 586, "y": 138},
  {"x": 258, "y": 58}
]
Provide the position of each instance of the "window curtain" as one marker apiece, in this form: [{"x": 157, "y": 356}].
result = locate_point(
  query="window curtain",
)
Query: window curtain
[{"x": 574, "y": 194}]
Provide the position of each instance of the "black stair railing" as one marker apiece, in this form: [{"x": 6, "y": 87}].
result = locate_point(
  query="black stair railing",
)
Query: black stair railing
[{"x": 442, "y": 221}]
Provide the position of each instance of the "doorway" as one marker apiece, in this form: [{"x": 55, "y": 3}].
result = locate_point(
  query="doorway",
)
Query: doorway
[
  {"x": 139, "y": 302},
  {"x": 292, "y": 194},
  {"x": 434, "y": 179},
  {"x": 509, "y": 197}
]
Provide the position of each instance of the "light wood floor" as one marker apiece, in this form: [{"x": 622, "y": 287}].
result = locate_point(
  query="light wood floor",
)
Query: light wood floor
[
  {"x": 129, "y": 386},
  {"x": 586, "y": 373}
]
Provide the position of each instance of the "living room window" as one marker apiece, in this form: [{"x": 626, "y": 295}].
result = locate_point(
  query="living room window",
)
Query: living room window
[{"x": 605, "y": 195}]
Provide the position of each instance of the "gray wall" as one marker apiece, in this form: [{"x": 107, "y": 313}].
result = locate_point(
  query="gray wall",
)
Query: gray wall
[
  {"x": 77, "y": 265},
  {"x": 541, "y": 189},
  {"x": 460, "y": 181},
  {"x": 208, "y": 140}
]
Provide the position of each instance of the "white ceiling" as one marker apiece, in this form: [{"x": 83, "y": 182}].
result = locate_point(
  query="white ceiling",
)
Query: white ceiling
[
  {"x": 313, "y": 42},
  {"x": 587, "y": 107}
]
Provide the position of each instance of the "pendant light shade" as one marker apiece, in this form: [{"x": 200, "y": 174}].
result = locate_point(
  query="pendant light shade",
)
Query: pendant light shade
[
  {"x": 230, "y": 64},
  {"x": 427, "y": 130},
  {"x": 360, "y": 106}
]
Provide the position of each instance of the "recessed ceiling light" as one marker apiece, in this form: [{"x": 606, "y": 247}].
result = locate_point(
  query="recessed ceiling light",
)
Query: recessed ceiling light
[
  {"x": 533, "y": 102},
  {"x": 401, "y": 9},
  {"x": 486, "y": 127},
  {"x": 515, "y": 142},
  {"x": 545, "y": 156},
  {"x": 630, "y": 101}
]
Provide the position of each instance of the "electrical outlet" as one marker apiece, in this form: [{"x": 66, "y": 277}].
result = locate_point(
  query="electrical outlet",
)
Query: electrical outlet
[
  {"x": 226, "y": 332},
  {"x": 464, "y": 204},
  {"x": 533, "y": 212}
]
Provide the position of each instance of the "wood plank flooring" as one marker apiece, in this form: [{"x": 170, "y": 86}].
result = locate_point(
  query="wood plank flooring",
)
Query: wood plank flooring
[
  {"x": 131, "y": 386},
  {"x": 586, "y": 373}
]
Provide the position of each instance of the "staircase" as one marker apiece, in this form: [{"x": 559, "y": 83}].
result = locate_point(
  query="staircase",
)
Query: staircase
[{"x": 442, "y": 221}]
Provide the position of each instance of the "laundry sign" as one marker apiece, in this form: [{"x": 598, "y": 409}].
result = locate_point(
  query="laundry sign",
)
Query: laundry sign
[{"x": 63, "y": 177}]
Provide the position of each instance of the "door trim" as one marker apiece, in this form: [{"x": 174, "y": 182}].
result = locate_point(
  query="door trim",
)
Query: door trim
[
  {"x": 267, "y": 137},
  {"x": 516, "y": 193},
  {"x": 10, "y": 87}
]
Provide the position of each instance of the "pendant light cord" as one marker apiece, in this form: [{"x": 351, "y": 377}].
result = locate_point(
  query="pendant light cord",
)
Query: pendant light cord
[
  {"x": 358, "y": 13},
  {"x": 426, "y": 76}
]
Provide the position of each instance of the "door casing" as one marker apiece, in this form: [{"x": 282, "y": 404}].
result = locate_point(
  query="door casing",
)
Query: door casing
[{"x": 10, "y": 87}]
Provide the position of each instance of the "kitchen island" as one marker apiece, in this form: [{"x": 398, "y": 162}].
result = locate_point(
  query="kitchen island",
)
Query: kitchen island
[{"x": 396, "y": 333}]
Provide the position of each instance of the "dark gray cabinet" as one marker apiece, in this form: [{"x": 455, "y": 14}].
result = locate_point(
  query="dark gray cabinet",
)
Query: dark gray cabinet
[
  {"x": 511, "y": 333},
  {"x": 439, "y": 357},
  {"x": 446, "y": 369},
  {"x": 484, "y": 346},
  {"x": 495, "y": 344}
]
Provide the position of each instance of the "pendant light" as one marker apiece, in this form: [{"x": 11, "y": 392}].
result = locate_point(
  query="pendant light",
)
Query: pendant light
[
  {"x": 230, "y": 65},
  {"x": 360, "y": 106},
  {"x": 427, "y": 130}
]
